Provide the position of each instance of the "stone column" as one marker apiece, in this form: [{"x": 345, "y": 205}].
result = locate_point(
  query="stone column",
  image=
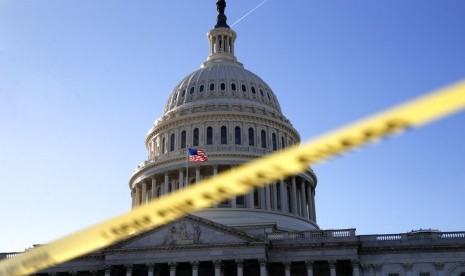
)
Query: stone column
[
  {"x": 240, "y": 267},
  {"x": 144, "y": 192},
  {"x": 275, "y": 197},
  {"x": 310, "y": 200},
  {"x": 233, "y": 199},
  {"x": 262, "y": 263},
  {"x": 287, "y": 269},
  {"x": 313, "y": 205},
  {"x": 310, "y": 268},
  {"x": 150, "y": 269},
  {"x": 195, "y": 268},
  {"x": 217, "y": 264},
  {"x": 268, "y": 197},
  {"x": 440, "y": 269},
  {"x": 137, "y": 196},
  {"x": 166, "y": 184},
  {"x": 181, "y": 178},
  {"x": 294, "y": 196},
  {"x": 172, "y": 268},
  {"x": 355, "y": 268},
  {"x": 261, "y": 195},
  {"x": 282, "y": 191},
  {"x": 215, "y": 172},
  {"x": 250, "y": 201},
  {"x": 133, "y": 197},
  {"x": 377, "y": 269},
  {"x": 128, "y": 270},
  {"x": 408, "y": 269},
  {"x": 107, "y": 269},
  {"x": 332, "y": 267},
  {"x": 154, "y": 187},
  {"x": 197, "y": 175},
  {"x": 303, "y": 199},
  {"x": 366, "y": 269}
]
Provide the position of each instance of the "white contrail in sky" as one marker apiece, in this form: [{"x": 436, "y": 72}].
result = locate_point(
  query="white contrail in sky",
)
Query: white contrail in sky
[{"x": 259, "y": 5}]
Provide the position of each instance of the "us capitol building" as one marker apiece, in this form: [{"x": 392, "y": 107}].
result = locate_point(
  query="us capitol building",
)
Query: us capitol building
[{"x": 235, "y": 117}]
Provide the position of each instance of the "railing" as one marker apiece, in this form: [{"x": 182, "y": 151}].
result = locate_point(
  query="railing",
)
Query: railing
[
  {"x": 342, "y": 234},
  {"x": 422, "y": 235},
  {"x": 316, "y": 235},
  {"x": 8, "y": 255}
]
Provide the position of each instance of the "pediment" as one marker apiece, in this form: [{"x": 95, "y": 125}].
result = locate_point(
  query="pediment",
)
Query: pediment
[{"x": 188, "y": 231}]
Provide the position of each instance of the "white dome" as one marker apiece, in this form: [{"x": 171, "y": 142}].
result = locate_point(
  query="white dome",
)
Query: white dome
[{"x": 222, "y": 80}]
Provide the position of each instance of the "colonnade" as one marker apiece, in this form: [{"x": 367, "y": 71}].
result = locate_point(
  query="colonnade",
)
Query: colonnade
[
  {"x": 294, "y": 195},
  {"x": 153, "y": 269}
]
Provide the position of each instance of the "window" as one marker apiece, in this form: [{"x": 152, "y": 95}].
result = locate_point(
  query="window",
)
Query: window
[
  {"x": 237, "y": 136},
  {"x": 263, "y": 136},
  {"x": 393, "y": 274},
  {"x": 209, "y": 135},
  {"x": 183, "y": 93},
  {"x": 253, "y": 90},
  {"x": 268, "y": 96},
  {"x": 233, "y": 86},
  {"x": 256, "y": 198},
  {"x": 244, "y": 89},
  {"x": 195, "y": 140},
  {"x": 172, "y": 140},
  {"x": 212, "y": 86},
  {"x": 282, "y": 142},
  {"x": 273, "y": 140},
  {"x": 224, "y": 135},
  {"x": 223, "y": 86},
  {"x": 202, "y": 87},
  {"x": 240, "y": 200},
  {"x": 183, "y": 139},
  {"x": 261, "y": 93},
  {"x": 163, "y": 145},
  {"x": 192, "y": 90},
  {"x": 251, "y": 137}
]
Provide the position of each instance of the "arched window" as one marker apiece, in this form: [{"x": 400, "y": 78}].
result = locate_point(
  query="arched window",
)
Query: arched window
[
  {"x": 163, "y": 145},
  {"x": 224, "y": 135},
  {"x": 282, "y": 142},
  {"x": 251, "y": 137},
  {"x": 195, "y": 140},
  {"x": 237, "y": 136},
  {"x": 183, "y": 139},
  {"x": 263, "y": 138},
  {"x": 209, "y": 135},
  {"x": 274, "y": 142},
  {"x": 172, "y": 141}
]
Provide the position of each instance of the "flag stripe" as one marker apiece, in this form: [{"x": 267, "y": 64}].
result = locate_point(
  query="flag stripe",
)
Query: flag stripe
[{"x": 197, "y": 155}]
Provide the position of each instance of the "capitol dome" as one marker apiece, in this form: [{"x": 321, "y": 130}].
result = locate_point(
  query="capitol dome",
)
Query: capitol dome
[{"x": 233, "y": 116}]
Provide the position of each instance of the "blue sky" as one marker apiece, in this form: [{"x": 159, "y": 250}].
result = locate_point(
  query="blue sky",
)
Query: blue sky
[{"x": 81, "y": 82}]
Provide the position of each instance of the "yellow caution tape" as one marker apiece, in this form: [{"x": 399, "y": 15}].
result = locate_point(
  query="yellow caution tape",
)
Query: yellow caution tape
[{"x": 254, "y": 174}]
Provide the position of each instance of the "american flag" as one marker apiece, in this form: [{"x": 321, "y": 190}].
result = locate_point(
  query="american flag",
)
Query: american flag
[{"x": 197, "y": 155}]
